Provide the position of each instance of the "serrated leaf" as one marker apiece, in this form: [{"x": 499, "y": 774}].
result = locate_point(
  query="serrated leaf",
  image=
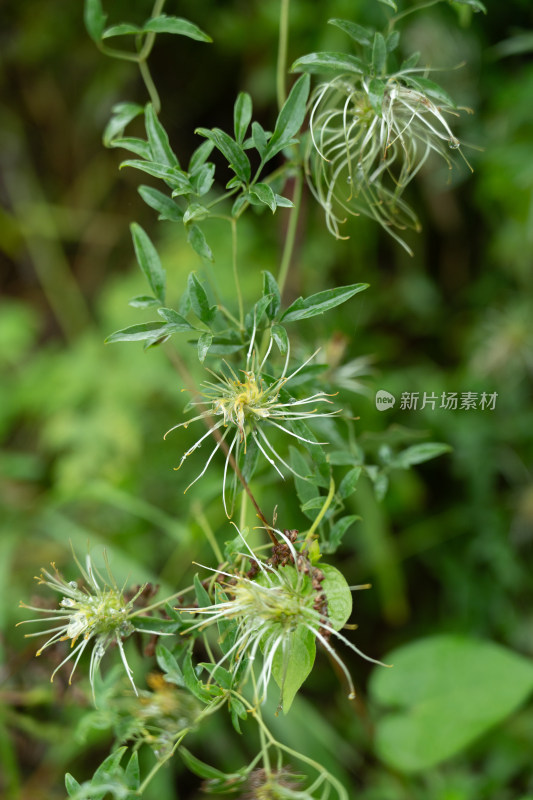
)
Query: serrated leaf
[
  {"x": 168, "y": 664},
  {"x": 123, "y": 113},
  {"x": 270, "y": 287},
  {"x": 379, "y": 54},
  {"x": 338, "y": 594},
  {"x": 199, "y": 300},
  {"x": 149, "y": 261},
  {"x": 293, "y": 662},
  {"x": 242, "y": 115},
  {"x": 162, "y": 152},
  {"x": 176, "y": 25},
  {"x": 328, "y": 62},
  {"x": 233, "y": 152},
  {"x": 291, "y": 117},
  {"x": 198, "y": 242},
  {"x": 167, "y": 208},
  {"x": 357, "y": 32},
  {"x": 448, "y": 690},
  {"x": 94, "y": 18},
  {"x": 321, "y": 302}
]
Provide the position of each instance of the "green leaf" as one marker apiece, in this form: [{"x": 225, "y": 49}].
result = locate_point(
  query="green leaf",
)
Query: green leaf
[
  {"x": 279, "y": 334},
  {"x": 198, "y": 242},
  {"x": 168, "y": 664},
  {"x": 259, "y": 138},
  {"x": 349, "y": 482},
  {"x": 94, "y": 18},
  {"x": 270, "y": 287},
  {"x": 177, "y": 25},
  {"x": 149, "y": 261},
  {"x": 134, "y": 145},
  {"x": 389, "y": 3},
  {"x": 192, "y": 683},
  {"x": 264, "y": 194},
  {"x": 204, "y": 343},
  {"x": 337, "y": 532},
  {"x": 328, "y": 62},
  {"x": 233, "y": 152},
  {"x": 357, "y": 32},
  {"x": 202, "y": 596},
  {"x": 195, "y": 211},
  {"x": 132, "y": 772},
  {"x": 376, "y": 92},
  {"x": 123, "y": 113},
  {"x": 125, "y": 28},
  {"x": 199, "y": 300},
  {"x": 177, "y": 321},
  {"x": 418, "y": 453},
  {"x": 242, "y": 115},
  {"x": 200, "y": 156},
  {"x": 167, "y": 208},
  {"x": 162, "y": 152},
  {"x": 71, "y": 784},
  {"x": 143, "y": 301},
  {"x": 475, "y": 5},
  {"x": 393, "y": 40},
  {"x": 338, "y": 594},
  {"x": 321, "y": 302},
  {"x": 202, "y": 179},
  {"x": 431, "y": 89},
  {"x": 448, "y": 690},
  {"x": 292, "y": 663},
  {"x": 108, "y": 766},
  {"x": 290, "y": 118},
  {"x": 136, "y": 333},
  {"x": 174, "y": 177},
  {"x": 379, "y": 54},
  {"x": 200, "y": 768}
]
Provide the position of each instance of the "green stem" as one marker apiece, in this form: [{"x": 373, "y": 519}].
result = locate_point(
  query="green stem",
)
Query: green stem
[
  {"x": 235, "y": 270},
  {"x": 244, "y": 503},
  {"x": 290, "y": 239},
  {"x": 321, "y": 513},
  {"x": 160, "y": 603},
  {"x": 282, "y": 52},
  {"x": 150, "y": 37},
  {"x": 402, "y": 14},
  {"x": 210, "y": 536},
  {"x": 150, "y": 85}
]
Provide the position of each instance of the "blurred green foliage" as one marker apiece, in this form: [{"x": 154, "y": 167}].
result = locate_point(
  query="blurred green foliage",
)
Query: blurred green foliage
[{"x": 81, "y": 452}]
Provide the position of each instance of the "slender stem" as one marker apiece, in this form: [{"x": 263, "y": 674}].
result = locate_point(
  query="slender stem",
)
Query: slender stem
[
  {"x": 166, "y": 600},
  {"x": 242, "y": 521},
  {"x": 282, "y": 51},
  {"x": 393, "y": 20},
  {"x": 290, "y": 239},
  {"x": 236, "y": 271},
  {"x": 150, "y": 38},
  {"x": 150, "y": 86},
  {"x": 321, "y": 513}
]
